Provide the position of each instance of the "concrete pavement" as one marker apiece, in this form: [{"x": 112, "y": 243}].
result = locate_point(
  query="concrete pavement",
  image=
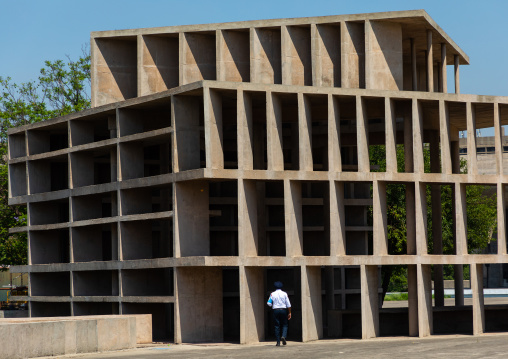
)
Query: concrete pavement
[{"x": 485, "y": 346}]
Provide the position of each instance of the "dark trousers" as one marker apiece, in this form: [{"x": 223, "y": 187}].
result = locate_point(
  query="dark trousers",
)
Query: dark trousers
[{"x": 280, "y": 317}]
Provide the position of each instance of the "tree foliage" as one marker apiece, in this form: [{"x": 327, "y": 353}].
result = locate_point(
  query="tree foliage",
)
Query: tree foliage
[{"x": 61, "y": 88}]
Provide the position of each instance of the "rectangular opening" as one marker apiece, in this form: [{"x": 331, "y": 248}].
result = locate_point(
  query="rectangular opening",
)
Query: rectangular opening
[
  {"x": 374, "y": 112},
  {"x": 348, "y": 133},
  {"x": 297, "y": 64},
  {"x": 485, "y": 144},
  {"x": 95, "y": 308},
  {"x": 358, "y": 217},
  {"x": 115, "y": 62},
  {"x": 503, "y": 120},
  {"x": 315, "y": 218},
  {"x": 17, "y": 179},
  {"x": 92, "y": 129},
  {"x": 403, "y": 135},
  {"x": 97, "y": 243},
  {"x": 147, "y": 282},
  {"x": 150, "y": 157},
  {"x": 224, "y": 218},
  {"x": 147, "y": 239},
  {"x": 318, "y": 130},
  {"x": 290, "y": 141},
  {"x": 147, "y": 199},
  {"x": 458, "y": 136},
  {"x": 101, "y": 205},
  {"x": 147, "y": 117},
  {"x": 96, "y": 283},
  {"x": 48, "y": 175},
  {"x": 47, "y": 139},
  {"x": 159, "y": 64},
  {"x": 328, "y": 55},
  {"x": 49, "y": 246},
  {"x": 431, "y": 136},
  {"x": 493, "y": 281},
  {"x": 231, "y": 304},
  {"x": 353, "y": 53},
  {"x": 259, "y": 144},
  {"x": 17, "y": 145},
  {"x": 50, "y": 309},
  {"x": 224, "y": 127},
  {"x": 397, "y": 217},
  {"x": 234, "y": 56},
  {"x": 440, "y": 218},
  {"x": 50, "y": 284},
  {"x": 162, "y": 318},
  {"x": 393, "y": 311},
  {"x": 481, "y": 213},
  {"x": 266, "y": 67},
  {"x": 94, "y": 166},
  {"x": 199, "y": 57},
  {"x": 271, "y": 218},
  {"x": 49, "y": 212}
]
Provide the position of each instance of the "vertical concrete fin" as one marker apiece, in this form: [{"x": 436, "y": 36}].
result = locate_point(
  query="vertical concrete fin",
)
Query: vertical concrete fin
[
  {"x": 380, "y": 219},
  {"x": 312, "y": 311},
  {"x": 444, "y": 77},
  {"x": 460, "y": 219},
  {"x": 337, "y": 219},
  {"x": 305, "y": 133},
  {"x": 390, "y": 137},
  {"x": 444, "y": 126},
  {"x": 213, "y": 128},
  {"x": 245, "y": 131},
  {"x": 252, "y": 305},
  {"x": 430, "y": 62},
  {"x": 334, "y": 154},
  {"x": 417, "y": 136},
  {"x": 472, "y": 166},
  {"x": 293, "y": 218},
  {"x": 369, "y": 301},
  {"x": 421, "y": 218},
  {"x": 274, "y": 132},
  {"x": 498, "y": 140},
  {"x": 425, "y": 320},
  {"x": 362, "y": 129},
  {"x": 501, "y": 215},
  {"x": 247, "y": 218},
  {"x": 478, "y": 301}
]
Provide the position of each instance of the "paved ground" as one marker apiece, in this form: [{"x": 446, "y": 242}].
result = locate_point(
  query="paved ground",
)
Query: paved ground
[{"x": 449, "y": 347}]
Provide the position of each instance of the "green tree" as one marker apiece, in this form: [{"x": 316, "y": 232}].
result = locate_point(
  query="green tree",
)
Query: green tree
[{"x": 61, "y": 88}]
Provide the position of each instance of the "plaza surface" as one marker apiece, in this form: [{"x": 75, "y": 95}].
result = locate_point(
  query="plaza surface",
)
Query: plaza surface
[{"x": 485, "y": 346}]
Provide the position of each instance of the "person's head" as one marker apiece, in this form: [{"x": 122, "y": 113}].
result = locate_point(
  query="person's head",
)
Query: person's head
[{"x": 277, "y": 285}]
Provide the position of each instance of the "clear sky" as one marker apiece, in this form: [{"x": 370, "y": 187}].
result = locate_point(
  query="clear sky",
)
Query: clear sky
[{"x": 34, "y": 31}]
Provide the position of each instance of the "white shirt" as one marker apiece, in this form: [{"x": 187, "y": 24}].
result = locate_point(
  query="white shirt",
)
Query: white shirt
[{"x": 279, "y": 299}]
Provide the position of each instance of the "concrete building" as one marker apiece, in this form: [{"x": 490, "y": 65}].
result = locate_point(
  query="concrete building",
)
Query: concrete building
[{"x": 219, "y": 158}]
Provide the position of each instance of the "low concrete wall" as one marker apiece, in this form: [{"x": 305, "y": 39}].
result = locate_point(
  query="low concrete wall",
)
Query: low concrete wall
[
  {"x": 36, "y": 337},
  {"x": 13, "y": 313}
]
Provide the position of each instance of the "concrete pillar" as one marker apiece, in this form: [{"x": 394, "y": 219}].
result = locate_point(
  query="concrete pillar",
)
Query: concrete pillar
[
  {"x": 456, "y": 73},
  {"x": 390, "y": 136},
  {"x": 458, "y": 277},
  {"x": 213, "y": 128},
  {"x": 380, "y": 238},
  {"x": 444, "y": 80},
  {"x": 198, "y": 304},
  {"x": 498, "y": 140},
  {"x": 414, "y": 72},
  {"x": 362, "y": 131},
  {"x": 444, "y": 131},
  {"x": 337, "y": 219},
  {"x": 274, "y": 132},
  {"x": 425, "y": 320},
  {"x": 472, "y": 166},
  {"x": 191, "y": 219},
  {"x": 478, "y": 302},
  {"x": 312, "y": 311},
  {"x": 412, "y": 291},
  {"x": 430, "y": 63},
  {"x": 247, "y": 219},
  {"x": 460, "y": 219},
  {"x": 418, "y": 162},
  {"x": 185, "y": 122},
  {"x": 421, "y": 218},
  {"x": 245, "y": 131},
  {"x": 334, "y": 154},
  {"x": 293, "y": 218},
  {"x": 501, "y": 215},
  {"x": 411, "y": 219},
  {"x": 304, "y": 133},
  {"x": 370, "y": 302},
  {"x": 252, "y": 305}
]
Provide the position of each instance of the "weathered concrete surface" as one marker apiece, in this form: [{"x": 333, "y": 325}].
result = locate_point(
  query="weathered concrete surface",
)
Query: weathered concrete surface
[
  {"x": 486, "y": 346},
  {"x": 36, "y": 337}
]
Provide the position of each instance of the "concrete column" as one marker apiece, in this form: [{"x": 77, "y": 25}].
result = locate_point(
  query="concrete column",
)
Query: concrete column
[
  {"x": 444, "y": 80},
  {"x": 472, "y": 166},
  {"x": 337, "y": 219},
  {"x": 362, "y": 131},
  {"x": 478, "y": 302},
  {"x": 293, "y": 218},
  {"x": 430, "y": 63},
  {"x": 412, "y": 289},
  {"x": 444, "y": 127},
  {"x": 213, "y": 128},
  {"x": 390, "y": 136},
  {"x": 198, "y": 304},
  {"x": 411, "y": 219},
  {"x": 191, "y": 219},
  {"x": 185, "y": 122},
  {"x": 501, "y": 215},
  {"x": 370, "y": 302},
  {"x": 305, "y": 133},
  {"x": 274, "y": 132},
  {"x": 414, "y": 72},
  {"x": 334, "y": 154},
  {"x": 245, "y": 131},
  {"x": 418, "y": 162},
  {"x": 456, "y": 72},
  {"x": 421, "y": 218},
  {"x": 460, "y": 219},
  {"x": 312, "y": 311},
  {"x": 252, "y": 305},
  {"x": 458, "y": 277},
  {"x": 247, "y": 219},
  {"x": 425, "y": 320},
  {"x": 498, "y": 140},
  {"x": 380, "y": 219}
]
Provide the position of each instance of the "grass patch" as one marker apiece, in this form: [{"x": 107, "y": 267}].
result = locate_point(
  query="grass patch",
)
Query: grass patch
[{"x": 392, "y": 297}]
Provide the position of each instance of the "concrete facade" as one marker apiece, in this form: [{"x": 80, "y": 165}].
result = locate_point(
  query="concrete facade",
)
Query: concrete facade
[{"x": 219, "y": 158}]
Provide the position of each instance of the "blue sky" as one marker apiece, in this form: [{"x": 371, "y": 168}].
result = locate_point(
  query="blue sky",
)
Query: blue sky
[{"x": 34, "y": 31}]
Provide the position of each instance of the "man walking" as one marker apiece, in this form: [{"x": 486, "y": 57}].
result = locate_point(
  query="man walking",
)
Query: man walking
[{"x": 281, "y": 306}]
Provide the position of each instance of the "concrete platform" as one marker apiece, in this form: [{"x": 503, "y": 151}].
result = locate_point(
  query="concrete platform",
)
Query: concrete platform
[{"x": 485, "y": 346}]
